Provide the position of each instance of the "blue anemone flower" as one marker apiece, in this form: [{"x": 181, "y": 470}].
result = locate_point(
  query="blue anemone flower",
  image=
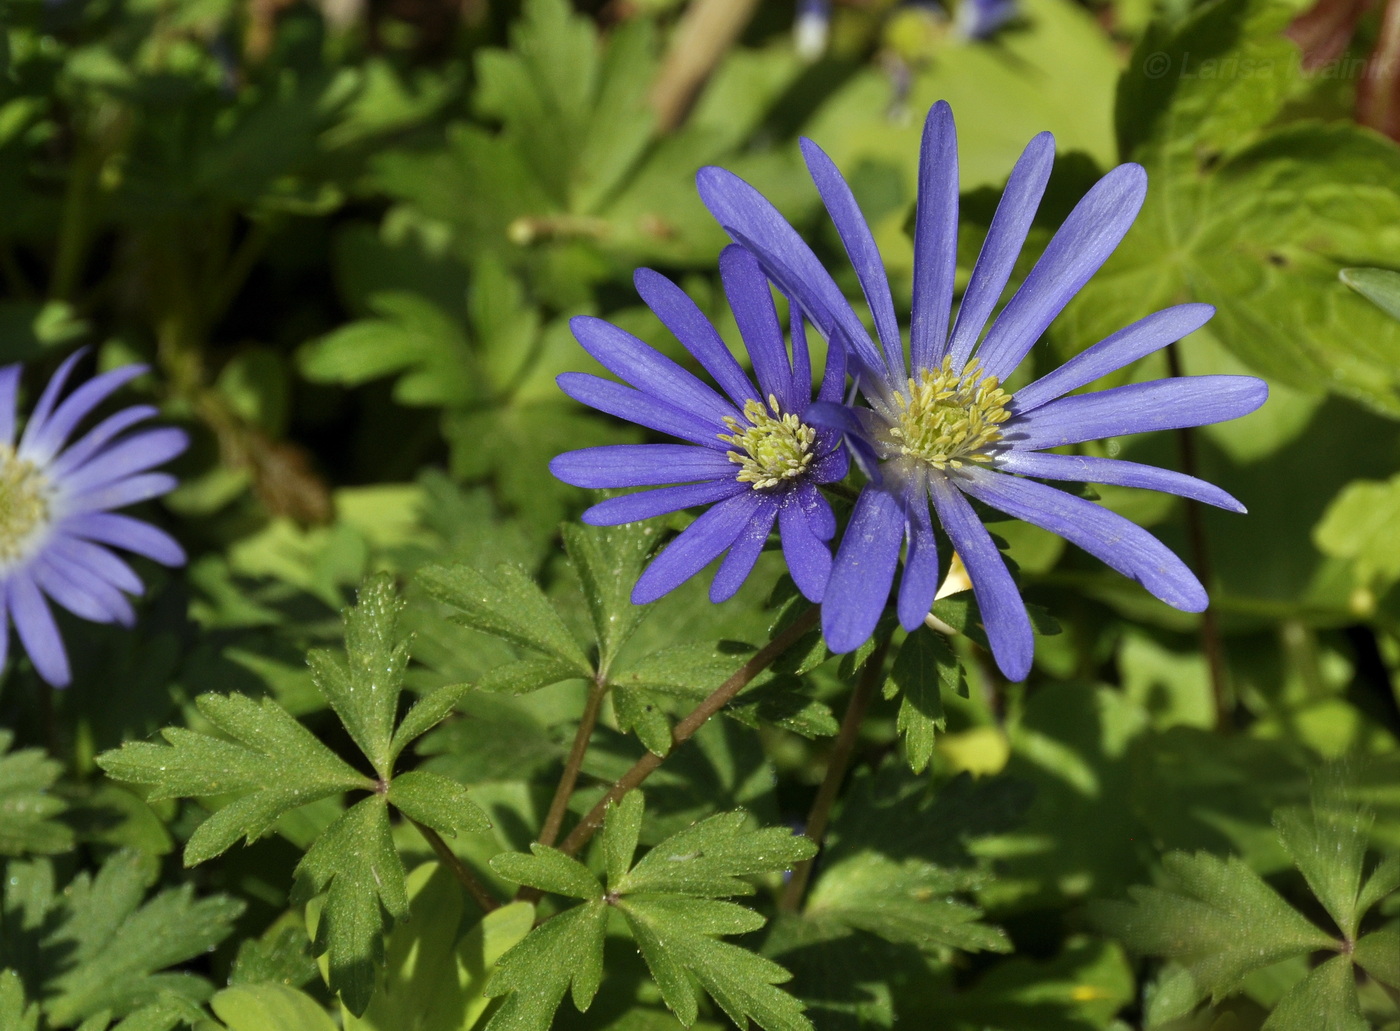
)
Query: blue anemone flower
[
  {"x": 750, "y": 455},
  {"x": 57, "y": 527},
  {"x": 944, "y": 430}
]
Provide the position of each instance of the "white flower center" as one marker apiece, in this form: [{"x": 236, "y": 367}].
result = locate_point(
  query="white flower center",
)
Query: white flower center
[
  {"x": 24, "y": 503},
  {"x": 772, "y": 448},
  {"x": 948, "y": 418}
]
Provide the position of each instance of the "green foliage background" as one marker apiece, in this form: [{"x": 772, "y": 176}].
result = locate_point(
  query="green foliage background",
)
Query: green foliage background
[{"x": 347, "y": 239}]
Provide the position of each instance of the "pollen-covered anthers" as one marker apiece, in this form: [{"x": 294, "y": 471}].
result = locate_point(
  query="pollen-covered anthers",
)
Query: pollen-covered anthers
[
  {"x": 773, "y": 448},
  {"x": 949, "y": 418},
  {"x": 24, "y": 503}
]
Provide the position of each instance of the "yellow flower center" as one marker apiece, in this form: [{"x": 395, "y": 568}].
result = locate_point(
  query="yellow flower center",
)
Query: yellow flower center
[
  {"x": 24, "y": 503},
  {"x": 772, "y": 448},
  {"x": 949, "y": 418}
]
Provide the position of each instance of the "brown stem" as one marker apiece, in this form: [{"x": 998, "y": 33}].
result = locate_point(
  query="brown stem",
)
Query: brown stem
[
  {"x": 706, "y": 30},
  {"x": 1212, "y": 642},
  {"x": 559, "y": 805},
  {"x": 686, "y": 728},
  {"x": 836, "y": 767},
  {"x": 465, "y": 878}
]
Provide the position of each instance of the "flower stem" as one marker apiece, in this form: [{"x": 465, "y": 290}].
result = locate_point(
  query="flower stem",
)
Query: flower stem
[
  {"x": 706, "y": 30},
  {"x": 465, "y": 877},
  {"x": 837, "y": 765},
  {"x": 686, "y": 728},
  {"x": 559, "y": 805},
  {"x": 1212, "y": 642}
]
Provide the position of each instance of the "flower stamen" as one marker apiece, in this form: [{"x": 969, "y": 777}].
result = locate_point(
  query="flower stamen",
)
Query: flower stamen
[
  {"x": 772, "y": 448},
  {"x": 949, "y": 418},
  {"x": 24, "y": 503}
]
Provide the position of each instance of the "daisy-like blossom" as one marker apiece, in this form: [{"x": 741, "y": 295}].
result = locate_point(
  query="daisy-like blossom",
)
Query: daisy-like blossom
[
  {"x": 57, "y": 527},
  {"x": 750, "y": 454},
  {"x": 943, "y": 428}
]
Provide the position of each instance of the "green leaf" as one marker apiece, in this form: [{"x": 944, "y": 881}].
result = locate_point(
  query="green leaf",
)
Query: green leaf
[
  {"x": 27, "y": 811},
  {"x": 115, "y": 945},
  {"x": 1378, "y": 285},
  {"x": 1328, "y": 844},
  {"x": 1378, "y": 953},
  {"x": 622, "y": 825},
  {"x": 1214, "y": 916},
  {"x": 1325, "y": 1000},
  {"x": 436, "y": 801},
  {"x": 280, "y": 763},
  {"x": 364, "y": 688},
  {"x": 269, "y": 1007},
  {"x": 923, "y": 669},
  {"x": 426, "y": 713},
  {"x": 909, "y": 902},
  {"x": 562, "y": 952},
  {"x": 281, "y": 954},
  {"x": 507, "y": 604},
  {"x": 708, "y": 858},
  {"x": 15, "y": 1015},
  {"x": 526, "y": 675},
  {"x": 608, "y": 561},
  {"x": 354, "y": 862},
  {"x": 1384, "y": 880},
  {"x": 1359, "y": 525},
  {"x": 549, "y": 870}
]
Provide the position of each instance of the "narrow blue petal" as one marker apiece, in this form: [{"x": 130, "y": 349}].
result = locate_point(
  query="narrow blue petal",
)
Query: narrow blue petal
[
  {"x": 122, "y": 531},
  {"x": 123, "y": 492},
  {"x": 631, "y": 404},
  {"x": 96, "y": 562},
  {"x": 9, "y": 396},
  {"x": 861, "y": 249},
  {"x": 688, "y": 324},
  {"x": 1082, "y": 469},
  {"x": 801, "y": 356},
  {"x": 649, "y": 503},
  {"x": 1117, "y": 542},
  {"x": 919, "y": 582},
  {"x": 37, "y": 630},
  {"x": 1005, "y": 238},
  {"x": 45, "y": 442},
  {"x": 744, "y": 552},
  {"x": 848, "y": 421},
  {"x": 935, "y": 238},
  {"x": 134, "y": 454},
  {"x": 1003, "y": 613},
  {"x": 1080, "y": 247},
  {"x": 648, "y": 369},
  {"x": 98, "y": 437},
  {"x": 47, "y": 400},
  {"x": 751, "y": 300},
  {"x": 864, "y": 570},
  {"x": 1112, "y": 353},
  {"x": 808, "y": 558},
  {"x": 86, "y": 597},
  {"x": 698, "y": 545},
  {"x": 833, "y": 465},
  {"x": 749, "y": 219},
  {"x": 818, "y": 511},
  {"x": 4, "y": 617},
  {"x": 640, "y": 465},
  {"x": 1163, "y": 404},
  {"x": 834, "y": 373}
]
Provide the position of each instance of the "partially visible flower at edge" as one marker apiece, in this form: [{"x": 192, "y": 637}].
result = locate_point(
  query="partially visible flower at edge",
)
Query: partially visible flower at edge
[
  {"x": 979, "y": 19},
  {"x": 946, "y": 430},
  {"x": 751, "y": 456},
  {"x": 56, "y": 523}
]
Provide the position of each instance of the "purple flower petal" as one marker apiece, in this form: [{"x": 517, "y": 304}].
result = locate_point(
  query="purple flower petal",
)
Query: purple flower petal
[
  {"x": 861, "y": 249},
  {"x": 123, "y": 492},
  {"x": 47, "y": 400},
  {"x": 919, "y": 583},
  {"x": 1003, "y": 613},
  {"x": 808, "y": 558},
  {"x": 1115, "y": 541},
  {"x": 749, "y": 219},
  {"x": 751, "y": 300},
  {"x": 134, "y": 454},
  {"x": 1112, "y": 353},
  {"x": 98, "y": 437},
  {"x": 649, "y": 503},
  {"x": 122, "y": 531},
  {"x": 45, "y": 442},
  {"x": 864, "y": 570},
  {"x": 37, "y": 630},
  {"x": 1082, "y": 469},
  {"x": 1005, "y": 238},
  {"x": 4, "y": 615},
  {"x": 1075, "y": 253},
  {"x": 95, "y": 561},
  {"x": 744, "y": 552},
  {"x": 834, "y": 373},
  {"x": 935, "y": 238},
  {"x": 817, "y": 510},
  {"x": 87, "y": 597},
  {"x": 1163, "y": 404},
  {"x": 640, "y": 465},
  {"x": 9, "y": 395},
  {"x": 801, "y": 357},
  {"x": 697, "y": 334},
  {"x": 643, "y": 409},
  {"x": 698, "y": 545},
  {"x": 648, "y": 369}
]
